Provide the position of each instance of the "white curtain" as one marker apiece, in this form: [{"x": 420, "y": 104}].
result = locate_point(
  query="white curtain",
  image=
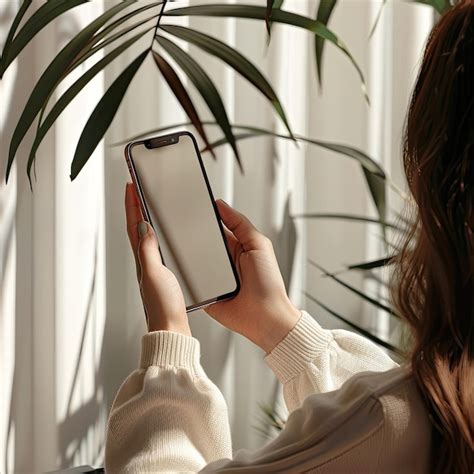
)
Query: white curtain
[{"x": 70, "y": 315}]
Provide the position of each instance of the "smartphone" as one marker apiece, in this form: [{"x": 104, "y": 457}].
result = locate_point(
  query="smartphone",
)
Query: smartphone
[{"x": 177, "y": 200}]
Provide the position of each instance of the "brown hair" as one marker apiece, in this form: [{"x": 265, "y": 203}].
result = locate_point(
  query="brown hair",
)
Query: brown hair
[{"x": 434, "y": 278}]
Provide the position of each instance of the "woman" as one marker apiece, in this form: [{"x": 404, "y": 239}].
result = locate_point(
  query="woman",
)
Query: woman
[{"x": 352, "y": 409}]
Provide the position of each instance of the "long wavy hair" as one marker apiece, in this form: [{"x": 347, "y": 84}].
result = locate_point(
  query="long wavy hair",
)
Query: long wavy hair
[{"x": 434, "y": 275}]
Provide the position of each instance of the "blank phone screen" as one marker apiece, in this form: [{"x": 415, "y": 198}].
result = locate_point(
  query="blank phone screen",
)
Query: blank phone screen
[{"x": 180, "y": 208}]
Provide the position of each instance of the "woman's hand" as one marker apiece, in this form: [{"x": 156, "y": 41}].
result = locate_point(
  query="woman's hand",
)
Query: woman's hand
[
  {"x": 163, "y": 300},
  {"x": 261, "y": 311}
]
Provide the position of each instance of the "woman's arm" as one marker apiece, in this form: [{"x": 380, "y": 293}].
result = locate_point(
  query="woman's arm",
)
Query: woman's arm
[
  {"x": 167, "y": 415},
  {"x": 305, "y": 357},
  {"x": 333, "y": 432},
  {"x": 311, "y": 359}
]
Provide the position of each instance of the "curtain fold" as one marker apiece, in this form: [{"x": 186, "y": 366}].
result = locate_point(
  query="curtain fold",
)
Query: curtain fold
[{"x": 52, "y": 282}]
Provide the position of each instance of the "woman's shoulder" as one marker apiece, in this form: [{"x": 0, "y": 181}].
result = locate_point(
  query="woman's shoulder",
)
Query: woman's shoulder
[
  {"x": 376, "y": 384},
  {"x": 395, "y": 391},
  {"x": 374, "y": 419},
  {"x": 404, "y": 410}
]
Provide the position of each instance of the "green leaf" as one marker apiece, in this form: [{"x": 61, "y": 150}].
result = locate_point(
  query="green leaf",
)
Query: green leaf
[
  {"x": 279, "y": 16},
  {"x": 72, "y": 92},
  {"x": 373, "y": 173},
  {"x": 274, "y": 418},
  {"x": 102, "y": 116},
  {"x": 43, "y": 16},
  {"x": 268, "y": 14},
  {"x": 406, "y": 220},
  {"x": 271, "y": 5},
  {"x": 381, "y": 262},
  {"x": 439, "y": 5},
  {"x": 365, "y": 161},
  {"x": 94, "y": 44},
  {"x": 92, "y": 47},
  {"x": 377, "y": 19},
  {"x": 365, "y": 297},
  {"x": 181, "y": 94},
  {"x": 51, "y": 76},
  {"x": 205, "y": 86},
  {"x": 157, "y": 131},
  {"x": 348, "y": 217},
  {"x": 378, "y": 192},
  {"x": 325, "y": 10},
  {"x": 277, "y": 4},
  {"x": 234, "y": 59},
  {"x": 11, "y": 33},
  {"x": 356, "y": 327}
]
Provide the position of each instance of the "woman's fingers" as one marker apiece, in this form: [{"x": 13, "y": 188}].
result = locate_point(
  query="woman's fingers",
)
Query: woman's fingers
[
  {"x": 148, "y": 250},
  {"x": 232, "y": 242},
  {"x": 245, "y": 232},
  {"x": 134, "y": 215},
  {"x": 142, "y": 236}
]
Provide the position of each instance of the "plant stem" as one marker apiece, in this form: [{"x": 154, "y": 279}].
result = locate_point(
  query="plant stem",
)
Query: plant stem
[{"x": 158, "y": 22}]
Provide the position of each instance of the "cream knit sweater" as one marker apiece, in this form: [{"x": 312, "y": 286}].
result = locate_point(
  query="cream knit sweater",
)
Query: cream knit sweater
[{"x": 351, "y": 410}]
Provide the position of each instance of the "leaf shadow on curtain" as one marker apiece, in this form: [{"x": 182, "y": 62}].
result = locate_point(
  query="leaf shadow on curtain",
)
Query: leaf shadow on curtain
[
  {"x": 285, "y": 248},
  {"x": 286, "y": 241},
  {"x": 21, "y": 386},
  {"x": 76, "y": 428},
  {"x": 75, "y": 431}
]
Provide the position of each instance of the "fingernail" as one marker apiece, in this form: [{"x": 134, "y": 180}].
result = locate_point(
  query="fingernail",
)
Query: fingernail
[
  {"x": 142, "y": 228},
  {"x": 224, "y": 202}
]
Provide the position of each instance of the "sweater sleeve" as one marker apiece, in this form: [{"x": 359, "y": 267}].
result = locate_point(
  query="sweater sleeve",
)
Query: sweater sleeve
[
  {"x": 167, "y": 415},
  {"x": 329, "y": 433},
  {"x": 315, "y": 360}
]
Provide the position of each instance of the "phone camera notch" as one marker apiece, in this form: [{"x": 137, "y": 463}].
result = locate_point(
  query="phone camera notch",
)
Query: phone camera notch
[{"x": 158, "y": 142}]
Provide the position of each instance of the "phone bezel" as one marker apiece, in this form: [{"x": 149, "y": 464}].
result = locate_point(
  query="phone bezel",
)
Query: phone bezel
[{"x": 169, "y": 140}]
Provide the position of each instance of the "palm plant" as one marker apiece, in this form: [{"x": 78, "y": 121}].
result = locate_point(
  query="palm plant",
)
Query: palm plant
[{"x": 121, "y": 26}]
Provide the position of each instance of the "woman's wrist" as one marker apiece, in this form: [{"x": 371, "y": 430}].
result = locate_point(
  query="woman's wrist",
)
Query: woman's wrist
[
  {"x": 179, "y": 328},
  {"x": 276, "y": 326}
]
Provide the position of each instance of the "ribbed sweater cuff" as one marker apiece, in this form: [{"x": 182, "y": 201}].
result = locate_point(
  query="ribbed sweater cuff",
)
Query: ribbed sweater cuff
[
  {"x": 298, "y": 349},
  {"x": 166, "y": 348}
]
